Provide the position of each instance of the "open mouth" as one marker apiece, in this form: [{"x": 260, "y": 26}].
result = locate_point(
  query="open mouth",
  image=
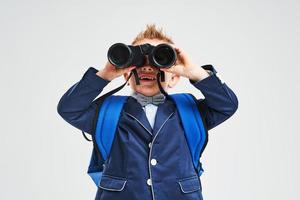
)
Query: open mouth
[{"x": 147, "y": 77}]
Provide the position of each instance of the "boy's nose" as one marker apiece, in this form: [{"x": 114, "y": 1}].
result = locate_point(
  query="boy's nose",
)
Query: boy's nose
[{"x": 147, "y": 69}]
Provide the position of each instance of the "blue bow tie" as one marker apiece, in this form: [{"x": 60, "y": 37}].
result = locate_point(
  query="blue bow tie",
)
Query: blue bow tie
[{"x": 145, "y": 100}]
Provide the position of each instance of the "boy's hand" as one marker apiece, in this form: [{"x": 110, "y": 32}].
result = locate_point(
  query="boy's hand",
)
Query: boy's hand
[
  {"x": 110, "y": 72},
  {"x": 184, "y": 67}
]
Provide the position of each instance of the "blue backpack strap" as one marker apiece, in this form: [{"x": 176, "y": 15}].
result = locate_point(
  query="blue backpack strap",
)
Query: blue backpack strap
[
  {"x": 95, "y": 167},
  {"x": 194, "y": 128},
  {"x": 106, "y": 125}
]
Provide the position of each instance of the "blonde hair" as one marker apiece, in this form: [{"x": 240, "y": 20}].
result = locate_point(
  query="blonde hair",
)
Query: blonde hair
[{"x": 151, "y": 32}]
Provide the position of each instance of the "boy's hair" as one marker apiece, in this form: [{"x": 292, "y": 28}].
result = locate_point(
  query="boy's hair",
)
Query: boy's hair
[{"x": 152, "y": 32}]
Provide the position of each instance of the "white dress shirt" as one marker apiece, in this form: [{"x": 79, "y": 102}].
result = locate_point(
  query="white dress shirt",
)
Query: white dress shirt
[{"x": 150, "y": 111}]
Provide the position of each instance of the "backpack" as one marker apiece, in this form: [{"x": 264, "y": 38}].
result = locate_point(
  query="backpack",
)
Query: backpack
[{"x": 107, "y": 118}]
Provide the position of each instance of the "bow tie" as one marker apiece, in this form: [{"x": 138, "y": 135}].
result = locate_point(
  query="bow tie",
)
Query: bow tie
[{"x": 144, "y": 100}]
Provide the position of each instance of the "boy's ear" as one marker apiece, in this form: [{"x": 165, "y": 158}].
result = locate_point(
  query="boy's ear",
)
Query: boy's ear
[
  {"x": 126, "y": 76},
  {"x": 174, "y": 80}
]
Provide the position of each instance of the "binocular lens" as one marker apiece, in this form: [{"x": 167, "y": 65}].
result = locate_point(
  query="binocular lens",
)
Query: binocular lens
[
  {"x": 119, "y": 55},
  {"x": 164, "y": 56}
]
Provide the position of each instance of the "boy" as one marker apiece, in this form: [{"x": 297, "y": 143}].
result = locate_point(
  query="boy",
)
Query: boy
[{"x": 149, "y": 158}]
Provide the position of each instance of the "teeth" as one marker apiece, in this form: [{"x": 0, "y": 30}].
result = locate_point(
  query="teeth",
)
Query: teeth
[{"x": 147, "y": 78}]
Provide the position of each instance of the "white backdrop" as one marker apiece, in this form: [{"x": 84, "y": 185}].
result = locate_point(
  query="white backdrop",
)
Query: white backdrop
[{"x": 46, "y": 46}]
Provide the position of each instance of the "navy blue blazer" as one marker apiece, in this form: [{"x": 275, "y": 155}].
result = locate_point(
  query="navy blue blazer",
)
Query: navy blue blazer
[{"x": 146, "y": 163}]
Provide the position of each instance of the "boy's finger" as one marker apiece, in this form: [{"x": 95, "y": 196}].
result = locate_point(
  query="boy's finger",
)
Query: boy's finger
[
  {"x": 127, "y": 69},
  {"x": 131, "y": 68},
  {"x": 165, "y": 69},
  {"x": 180, "y": 60},
  {"x": 171, "y": 69}
]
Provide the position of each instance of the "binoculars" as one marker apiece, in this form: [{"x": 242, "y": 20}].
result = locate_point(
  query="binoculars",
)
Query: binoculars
[{"x": 161, "y": 56}]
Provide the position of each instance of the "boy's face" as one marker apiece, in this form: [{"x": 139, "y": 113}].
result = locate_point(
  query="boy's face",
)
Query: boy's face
[{"x": 150, "y": 87}]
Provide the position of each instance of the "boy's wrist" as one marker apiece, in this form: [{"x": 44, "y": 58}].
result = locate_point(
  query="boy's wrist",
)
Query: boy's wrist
[
  {"x": 104, "y": 75},
  {"x": 198, "y": 74},
  {"x": 93, "y": 80}
]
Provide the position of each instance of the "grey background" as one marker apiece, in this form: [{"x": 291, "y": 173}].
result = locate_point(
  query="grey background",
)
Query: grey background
[{"x": 46, "y": 46}]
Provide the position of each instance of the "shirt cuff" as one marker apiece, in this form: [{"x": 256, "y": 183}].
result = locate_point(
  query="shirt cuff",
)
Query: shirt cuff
[{"x": 93, "y": 80}]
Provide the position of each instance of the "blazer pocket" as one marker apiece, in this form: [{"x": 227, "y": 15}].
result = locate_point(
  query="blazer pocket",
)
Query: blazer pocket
[
  {"x": 112, "y": 183},
  {"x": 190, "y": 184}
]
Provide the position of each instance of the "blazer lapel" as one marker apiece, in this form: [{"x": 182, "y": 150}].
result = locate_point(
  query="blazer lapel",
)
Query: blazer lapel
[
  {"x": 164, "y": 112},
  {"x": 135, "y": 110}
]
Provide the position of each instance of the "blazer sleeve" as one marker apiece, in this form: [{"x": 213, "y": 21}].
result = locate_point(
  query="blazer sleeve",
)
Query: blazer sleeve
[
  {"x": 220, "y": 102},
  {"x": 77, "y": 105}
]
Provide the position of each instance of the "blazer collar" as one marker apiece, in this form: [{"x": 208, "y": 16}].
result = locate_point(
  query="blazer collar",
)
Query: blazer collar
[
  {"x": 164, "y": 111},
  {"x": 135, "y": 109}
]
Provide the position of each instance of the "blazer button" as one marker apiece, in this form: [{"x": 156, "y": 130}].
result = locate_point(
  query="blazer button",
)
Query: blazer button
[
  {"x": 149, "y": 182},
  {"x": 149, "y": 145},
  {"x": 153, "y": 162}
]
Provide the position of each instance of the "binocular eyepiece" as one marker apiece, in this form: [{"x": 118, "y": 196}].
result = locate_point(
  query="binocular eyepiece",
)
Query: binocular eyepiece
[{"x": 161, "y": 56}]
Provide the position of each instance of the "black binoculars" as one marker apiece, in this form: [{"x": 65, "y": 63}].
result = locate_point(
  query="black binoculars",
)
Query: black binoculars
[{"x": 161, "y": 56}]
